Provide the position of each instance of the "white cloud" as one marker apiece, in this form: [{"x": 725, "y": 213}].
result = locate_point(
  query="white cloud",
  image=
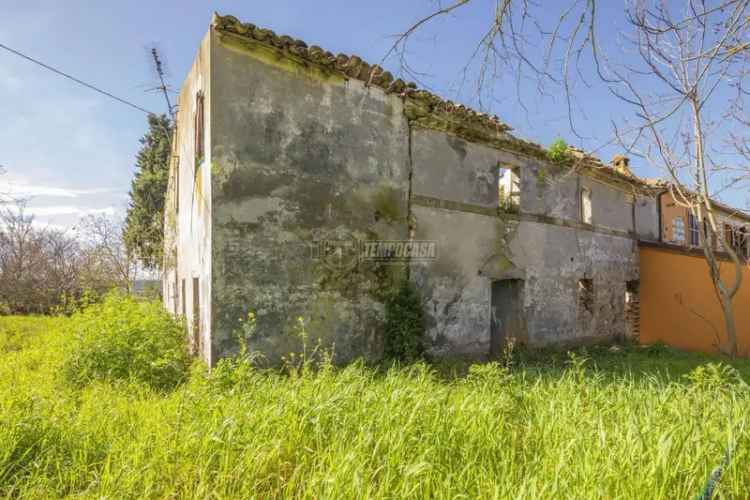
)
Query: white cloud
[
  {"x": 27, "y": 191},
  {"x": 56, "y": 210}
]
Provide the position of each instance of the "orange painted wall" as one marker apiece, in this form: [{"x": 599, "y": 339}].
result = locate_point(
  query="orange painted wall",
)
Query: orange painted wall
[{"x": 679, "y": 306}]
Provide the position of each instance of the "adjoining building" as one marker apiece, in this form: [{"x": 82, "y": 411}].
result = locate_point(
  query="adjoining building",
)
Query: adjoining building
[
  {"x": 307, "y": 185},
  {"x": 678, "y": 304}
]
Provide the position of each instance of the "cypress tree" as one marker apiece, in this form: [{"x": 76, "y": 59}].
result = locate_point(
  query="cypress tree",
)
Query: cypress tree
[{"x": 144, "y": 224}]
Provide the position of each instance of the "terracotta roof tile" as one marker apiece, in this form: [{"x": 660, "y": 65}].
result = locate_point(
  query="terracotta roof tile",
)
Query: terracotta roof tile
[{"x": 354, "y": 67}]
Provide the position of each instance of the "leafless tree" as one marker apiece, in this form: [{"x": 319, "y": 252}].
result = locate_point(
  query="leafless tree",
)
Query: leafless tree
[
  {"x": 38, "y": 267},
  {"x": 105, "y": 252},
  {"x": 689, "y": 59},
  {"x": 516, "y": 45},
  {"x": 44, "y": 270}
]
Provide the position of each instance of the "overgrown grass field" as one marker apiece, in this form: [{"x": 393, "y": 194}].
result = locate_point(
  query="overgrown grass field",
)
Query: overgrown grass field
[{"x": 102, "y": 406}]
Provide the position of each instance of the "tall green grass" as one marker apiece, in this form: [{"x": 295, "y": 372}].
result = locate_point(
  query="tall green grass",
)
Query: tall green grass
[
  {"x": 604, "y": 424},
  {"x": 122, "y": 338}
]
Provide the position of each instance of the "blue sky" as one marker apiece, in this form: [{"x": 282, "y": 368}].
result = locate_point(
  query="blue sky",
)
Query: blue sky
[{"x": 73, "y": 150}]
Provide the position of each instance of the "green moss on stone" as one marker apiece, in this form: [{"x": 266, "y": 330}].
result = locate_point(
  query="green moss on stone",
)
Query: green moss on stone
[
  {"x": 387, "y": 202},
  {"x": 280, "y": 59}
]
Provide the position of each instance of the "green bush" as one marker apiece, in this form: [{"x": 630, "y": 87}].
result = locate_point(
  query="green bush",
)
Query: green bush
[
  {"x": 558, "y": 151},
  {"x": 126, "y": 339},
  {"x": 404, "y": 324}
]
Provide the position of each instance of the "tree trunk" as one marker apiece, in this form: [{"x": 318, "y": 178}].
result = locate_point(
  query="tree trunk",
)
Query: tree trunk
[
  {"x": 726, "y": 306},
  {"x": 724, "y": 295},
  {"x": 705, "y": 212}
]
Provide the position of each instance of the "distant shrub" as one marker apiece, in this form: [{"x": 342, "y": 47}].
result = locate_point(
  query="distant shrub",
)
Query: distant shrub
[
  {"x": 123, "y": 338},
  {"x": 558, "y": 150},
  {"x": 70, "y": 304},
  {"x": 404, "y": 324}
]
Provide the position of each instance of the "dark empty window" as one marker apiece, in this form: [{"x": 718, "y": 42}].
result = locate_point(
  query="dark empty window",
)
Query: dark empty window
[
  {"x": 199, "y": 129},
  {"x": 182, "y": 298},
  {"x": 586, "y": 295},
  {"x": 196, "y": 316},
  {"x": 177, "y": 184}
]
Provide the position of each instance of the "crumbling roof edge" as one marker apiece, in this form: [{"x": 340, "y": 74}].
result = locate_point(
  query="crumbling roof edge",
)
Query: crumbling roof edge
[
  {"x": 354, "y": 67},
  {"x": 422, "y": 107}
]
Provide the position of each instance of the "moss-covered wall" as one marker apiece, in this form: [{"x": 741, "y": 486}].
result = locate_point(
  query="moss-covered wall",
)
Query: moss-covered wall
[
  {"x": 299, "y": 157},
  {"x": 543, "y": 244},
  {"x": 304, "y": 152}
]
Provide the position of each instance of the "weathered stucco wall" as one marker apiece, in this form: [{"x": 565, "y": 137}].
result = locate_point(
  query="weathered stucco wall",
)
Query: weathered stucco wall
[
  {"x": 647, "y": 218},
  {"x": 188, "y": 217},
  {"x": 557, "y": 256},
  {"x": 548, "y": 190},
  {"x": 301, "y": 155},
  {"x": 555, "y": 260},
  {"x": 449, "y": 168},
  {"x": 298, "y": 154},
  {"x": 611, "y": 208},
  {"x": 545, "y": 246},
  {"x": 456, "y": 295},
  {"x": 455, "y": 291}
]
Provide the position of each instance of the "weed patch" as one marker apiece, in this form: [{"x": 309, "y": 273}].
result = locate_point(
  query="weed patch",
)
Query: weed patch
[{"x": 126, "y": 339}]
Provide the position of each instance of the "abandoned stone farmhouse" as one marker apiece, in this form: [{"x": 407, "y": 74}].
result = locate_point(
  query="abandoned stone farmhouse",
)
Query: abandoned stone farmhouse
[{"x": 287, "y": 158}]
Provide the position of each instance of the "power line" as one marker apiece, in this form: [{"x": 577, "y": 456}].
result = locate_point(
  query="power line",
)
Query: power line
[{"x": 81, "y": 82}]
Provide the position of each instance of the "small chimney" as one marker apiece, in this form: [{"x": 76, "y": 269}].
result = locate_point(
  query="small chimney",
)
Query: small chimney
[{"x": 621, "y": 164}]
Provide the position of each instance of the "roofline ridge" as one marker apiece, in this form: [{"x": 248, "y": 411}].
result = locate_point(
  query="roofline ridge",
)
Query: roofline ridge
[
  {"x": 353, "y": 66},
  {"x": 421, "y": 101}
]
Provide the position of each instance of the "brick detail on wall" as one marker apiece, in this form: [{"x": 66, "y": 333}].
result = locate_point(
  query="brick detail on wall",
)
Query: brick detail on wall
[{"x": 633, "y": 310}]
